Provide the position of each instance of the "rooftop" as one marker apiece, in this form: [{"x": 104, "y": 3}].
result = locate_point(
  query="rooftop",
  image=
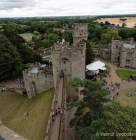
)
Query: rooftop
[
  {"x": 97, "y": 65},
  {"x": 34, "y": 70},
  {"x": 128, "y": 46}
]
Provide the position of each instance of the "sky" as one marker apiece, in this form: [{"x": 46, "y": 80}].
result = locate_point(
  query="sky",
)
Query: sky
[{"x": 38, "y": 8}]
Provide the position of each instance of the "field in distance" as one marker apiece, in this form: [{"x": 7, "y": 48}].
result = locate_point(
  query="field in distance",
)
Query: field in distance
[{"x": 129, "y": 21}]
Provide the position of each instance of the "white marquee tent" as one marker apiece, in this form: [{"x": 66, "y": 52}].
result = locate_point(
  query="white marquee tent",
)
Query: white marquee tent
[{"x": 96, "y": 66}]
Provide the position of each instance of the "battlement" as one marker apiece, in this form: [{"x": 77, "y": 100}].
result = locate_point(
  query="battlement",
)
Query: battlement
[
  {"x": 123, "y": 53},
  {"x": 37, "y": 80},
  {"x": 66, "y": 58},
  {"x": 80, "y": 33},
  {"x": 70, "y": 58},
  {"x": 65, "y": 50}
]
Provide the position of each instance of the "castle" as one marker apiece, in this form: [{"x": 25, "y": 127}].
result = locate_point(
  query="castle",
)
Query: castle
[
  {"x": 70, "y": 59},
  {"x": 123, "y": 53},
  {"x": 119, "y": 52},
  {"x": 66, "y": 59},
  {"x": 37, "y": 80}
]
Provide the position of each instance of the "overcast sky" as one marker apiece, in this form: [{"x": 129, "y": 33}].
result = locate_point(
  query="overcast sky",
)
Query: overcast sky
[{"x": 30, "y": 8}]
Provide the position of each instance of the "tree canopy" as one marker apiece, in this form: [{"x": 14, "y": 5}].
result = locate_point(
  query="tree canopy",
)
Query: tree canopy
[
  {"x": 10, "y": 60},
  {"x": 98, "y": 119}
]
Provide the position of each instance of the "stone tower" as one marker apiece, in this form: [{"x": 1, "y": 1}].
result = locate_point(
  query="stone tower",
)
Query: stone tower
[
  {"x": 36, "y": 81},
  {"x": 115, "y": 51},
  {"x": 70, "y": 59},
  {"x": 123, "y": 53},
  {"x": 80, "y": 33}
]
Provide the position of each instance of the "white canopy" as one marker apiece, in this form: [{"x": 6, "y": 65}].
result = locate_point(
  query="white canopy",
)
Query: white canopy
[
  {"x": 95, "y": 66},
  {"x": 43, "y": 66},
  {"x": 34, "y": 70}
]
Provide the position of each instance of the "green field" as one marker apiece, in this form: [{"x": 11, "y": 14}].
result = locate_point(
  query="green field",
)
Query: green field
[
  {"x": 125, "y": 74},
  {"x": 13, "y": 109}
]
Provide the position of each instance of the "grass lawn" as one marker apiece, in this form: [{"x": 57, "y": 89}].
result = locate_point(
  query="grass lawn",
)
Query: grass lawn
[
  {"x": 14, "y": 106},
  {"x": 27, "y": 36},
  {"x": 125, "y": 100},
  {"x": 125, "y": 74}
]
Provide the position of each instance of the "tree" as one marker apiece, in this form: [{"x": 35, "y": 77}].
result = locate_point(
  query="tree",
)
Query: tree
[
  {"x": 15, "y": 39},
  {"x": 116, "y": 122},
  {"x": 52, "y": 37},
  {"x": 126, "y": 33},
  {"x": 89, "y": 53},
  {"x": 10, "y": 28},
  {"x": 68, "y": 37},
  {"x": 124, "y": 25},
  {"x": 27, "y": 55},
  {"x": 107, "y": 36},
  {"x": 10, "y": 61},
  {"x": 91, "y": 107},
  {"x": 45, "y": 43},
  {"x": 95, "y": 31},
  {"x": 95, "y": 117}
]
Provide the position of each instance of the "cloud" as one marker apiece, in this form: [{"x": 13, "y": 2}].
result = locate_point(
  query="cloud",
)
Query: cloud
[
  {"x": 23, "y": 8},
  {"x": 11, "y": 4}
]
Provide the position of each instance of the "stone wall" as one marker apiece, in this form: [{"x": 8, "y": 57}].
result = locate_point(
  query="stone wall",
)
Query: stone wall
[
  {"x": 123, "y": 56},
  {"x": 80, "y": 32},
  {"x": 36, "y": 83},
  {"x": 115, "y": 51},
  {"x": 8, "y": 134},
  {"x": 70, "y": 59}
]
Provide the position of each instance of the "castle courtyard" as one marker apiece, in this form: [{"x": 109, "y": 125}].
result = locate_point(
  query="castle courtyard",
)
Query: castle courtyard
[
  {"x": 126, "y": 88},
  {"x": 26, "y": 117}
]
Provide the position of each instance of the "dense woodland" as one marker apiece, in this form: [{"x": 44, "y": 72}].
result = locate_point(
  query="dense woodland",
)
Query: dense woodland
[{"x": 44, "y": 35}]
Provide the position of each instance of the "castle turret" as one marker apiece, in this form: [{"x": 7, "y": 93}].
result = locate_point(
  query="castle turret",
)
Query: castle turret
[
  {"x": 36, "y": 80},
  {"x": 80, "y": 33}
]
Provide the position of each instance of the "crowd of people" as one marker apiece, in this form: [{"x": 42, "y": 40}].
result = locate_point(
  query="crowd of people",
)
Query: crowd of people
[{"x": 58, "y": 111}]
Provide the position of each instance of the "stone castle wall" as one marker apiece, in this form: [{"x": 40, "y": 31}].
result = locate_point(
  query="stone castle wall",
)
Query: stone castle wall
[
  {"x": 123, "y": 56},
  {"x": 36, "y": 83},
  {"x": 70, "y": 59},
  {"x": 66, "y": 59},
  {"x": 80, "y": 32},
  {"x": 8, "y": 134}
]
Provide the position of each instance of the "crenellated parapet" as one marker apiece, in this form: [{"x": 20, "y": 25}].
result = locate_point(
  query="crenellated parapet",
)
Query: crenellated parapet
[
  {"x": 70, "y": 58},
  {"x": 80, "y": 33},
  {"x": 36, "y": 80},
  {"x": 123, "y": 53}
]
